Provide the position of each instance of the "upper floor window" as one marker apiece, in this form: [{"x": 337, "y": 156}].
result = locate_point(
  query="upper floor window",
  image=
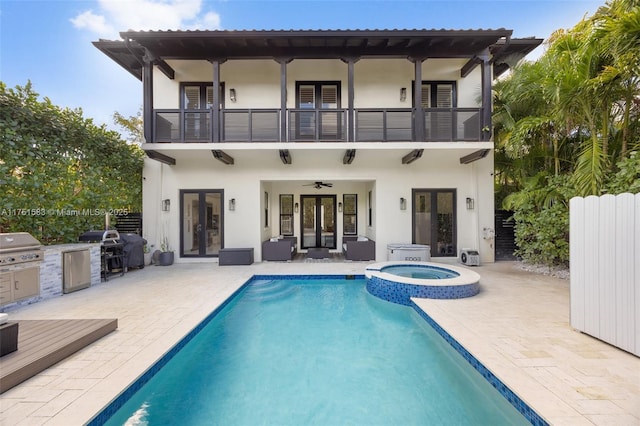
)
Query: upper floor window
[
  {"x": 439, "y": 94},
  {"x": 318, "y": 95},
  {"x": 318, "y": 115},
  {"x": 198, "y": 95}
]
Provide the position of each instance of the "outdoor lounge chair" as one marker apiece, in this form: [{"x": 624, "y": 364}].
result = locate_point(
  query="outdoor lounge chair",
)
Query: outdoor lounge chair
[
  {"x": 280, "y": 249},
  {"x": 358, "y": 248}
]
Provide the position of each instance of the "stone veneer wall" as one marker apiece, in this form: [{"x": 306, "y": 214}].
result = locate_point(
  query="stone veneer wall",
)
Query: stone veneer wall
[{"x": 51, "y": 267}]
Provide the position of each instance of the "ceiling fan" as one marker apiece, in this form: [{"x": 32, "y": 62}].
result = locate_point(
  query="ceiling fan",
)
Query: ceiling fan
[{"x": 319, "y": 184}]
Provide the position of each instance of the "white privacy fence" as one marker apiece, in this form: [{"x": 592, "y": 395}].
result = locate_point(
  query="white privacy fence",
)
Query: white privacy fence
[{"x": 605, "y": 268}]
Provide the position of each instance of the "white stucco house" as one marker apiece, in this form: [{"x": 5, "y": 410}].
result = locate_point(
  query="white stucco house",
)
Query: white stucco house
[{"x": 320, "y": 135}]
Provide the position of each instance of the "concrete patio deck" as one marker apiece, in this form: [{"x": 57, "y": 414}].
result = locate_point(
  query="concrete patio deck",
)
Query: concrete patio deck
[{"x": 518, "y": 326}]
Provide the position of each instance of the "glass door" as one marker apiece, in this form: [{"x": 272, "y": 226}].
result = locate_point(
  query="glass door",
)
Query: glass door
[
  {"x": 434, "y": 213},
  {"x": 196, "y": 102},
  {"x": 438, "y": 101},
  {"x": 319, "y": 116},
  {"x": 201, "y": 212},
  {"x": 318, "y": 221}
]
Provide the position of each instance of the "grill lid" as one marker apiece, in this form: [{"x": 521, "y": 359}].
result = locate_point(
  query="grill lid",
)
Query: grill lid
[
  {"x": 98, "y": 236},
  {"x": 18, "y": 241}
]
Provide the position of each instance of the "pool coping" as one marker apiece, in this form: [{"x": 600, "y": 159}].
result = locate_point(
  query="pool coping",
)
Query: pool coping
[
  {"x": 112, "y": 407},
  {"x": 518, "y": 403},
  {"x": 465, "y": 275}
]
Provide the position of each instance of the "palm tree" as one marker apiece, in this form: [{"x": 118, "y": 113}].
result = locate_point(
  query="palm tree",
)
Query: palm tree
[{"x": 618, "y": 29}]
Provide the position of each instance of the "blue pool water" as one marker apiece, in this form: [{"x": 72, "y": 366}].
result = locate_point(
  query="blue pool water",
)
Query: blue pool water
[
  {"x": 316, "y": 352},
  {"x": 427, "y": 272}
]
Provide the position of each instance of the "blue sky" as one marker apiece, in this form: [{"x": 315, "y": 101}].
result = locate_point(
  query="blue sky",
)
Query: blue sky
[{"x": 49, "y": 41}]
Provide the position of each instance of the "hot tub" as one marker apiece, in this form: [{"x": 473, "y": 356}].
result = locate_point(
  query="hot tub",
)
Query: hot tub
[
  {"x": 398, "y": 282},
  {"x": 415, "y": 252}
]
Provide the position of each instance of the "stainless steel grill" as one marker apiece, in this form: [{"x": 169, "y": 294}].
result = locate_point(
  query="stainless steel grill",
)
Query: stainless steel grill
[
  {"x": 19, "y": 247},
  {"x": 20, "y": 258}
]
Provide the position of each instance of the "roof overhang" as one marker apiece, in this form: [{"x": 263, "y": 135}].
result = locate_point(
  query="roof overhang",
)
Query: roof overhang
[{"x": 160, "y": 46}]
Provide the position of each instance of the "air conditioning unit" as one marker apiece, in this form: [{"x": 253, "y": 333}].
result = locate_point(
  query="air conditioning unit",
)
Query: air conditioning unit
[{"x": 470, "y": 257}]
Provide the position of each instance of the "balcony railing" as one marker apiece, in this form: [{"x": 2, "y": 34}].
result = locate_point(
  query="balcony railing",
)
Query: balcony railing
[
  {"x": 384, "y": 125},
  {"x": 316, "y": 125},
  {"x": 253, "y": 125},
  {"x": 452, "y": 124}
]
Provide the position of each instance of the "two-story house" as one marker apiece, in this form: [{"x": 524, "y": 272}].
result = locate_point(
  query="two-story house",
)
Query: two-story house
[{"x": 318, "y": 135}]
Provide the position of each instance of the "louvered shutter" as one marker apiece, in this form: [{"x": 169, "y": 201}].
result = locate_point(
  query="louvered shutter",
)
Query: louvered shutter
[
  {"x": 192, "y": 97},
  {"x": 330, "y": 120},
  {"x": 444, "y": 96},
  {"x": 307, "y": 96},
  {"x": 210, "y": 97},
  {"x": 329, "y": 97},
  {"x": 426, "y": 96}
]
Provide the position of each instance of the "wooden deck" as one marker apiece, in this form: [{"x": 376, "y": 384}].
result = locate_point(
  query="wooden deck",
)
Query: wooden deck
[{"x": 42, "y": 343}]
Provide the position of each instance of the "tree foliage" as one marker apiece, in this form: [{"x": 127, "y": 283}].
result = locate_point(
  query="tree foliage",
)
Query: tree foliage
[
  {"x": 570, "y": 120},
  {"x": 59, "y": 172},
  {"x": 132, "y": 126}
]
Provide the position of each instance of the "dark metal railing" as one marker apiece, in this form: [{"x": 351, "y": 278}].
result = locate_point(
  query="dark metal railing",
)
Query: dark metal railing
[
  {"x": 317, "y": 125},
  {"x": 384, "y": 125},
  {"x": 322, "y": 125},
  {"x": 252, "y": 125},
  {"x": 452, "y": 124}
]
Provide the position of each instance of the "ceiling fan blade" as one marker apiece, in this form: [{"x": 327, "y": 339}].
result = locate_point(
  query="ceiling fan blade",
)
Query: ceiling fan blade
[{"x": 319, "y": 184}]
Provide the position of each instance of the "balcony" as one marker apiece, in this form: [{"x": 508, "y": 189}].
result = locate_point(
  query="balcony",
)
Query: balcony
[{"x": 316, "y": 125}]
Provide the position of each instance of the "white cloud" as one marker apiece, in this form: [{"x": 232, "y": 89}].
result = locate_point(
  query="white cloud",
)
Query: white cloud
[
  {"x": 123, "y": 15},
  {"x": 94, "y": 23}
]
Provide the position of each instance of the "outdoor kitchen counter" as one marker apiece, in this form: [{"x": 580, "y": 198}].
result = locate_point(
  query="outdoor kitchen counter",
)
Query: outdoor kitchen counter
[
  {"x": 51, "y": 271},
  {"x": 51, "y": 268}
]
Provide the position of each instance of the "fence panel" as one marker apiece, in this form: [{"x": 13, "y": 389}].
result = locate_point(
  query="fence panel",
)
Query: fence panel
[
  {"x": 605, "y": 268},
  {"x": 577, "y": 261}
]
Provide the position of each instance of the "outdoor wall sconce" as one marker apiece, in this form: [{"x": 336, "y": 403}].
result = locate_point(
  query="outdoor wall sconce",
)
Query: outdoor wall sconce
[
  {"x": 403, "y": 94},
  {"x": 403, "y": 203},
  {"x": 296, "y": 207},
  {"x": 232, "y": 95},
  {"x": 340, "y": 207},
  {"x": 166, "y": 205},
  {"x": 232, "y": 204},
  {"x": 470, "y": 203}
]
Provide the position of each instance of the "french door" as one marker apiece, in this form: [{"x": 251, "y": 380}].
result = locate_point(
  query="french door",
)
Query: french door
[
  {"x": 318, "y": 221},
  {"x": 202, "y": 219},
  {"x": 196, "y": 102},
  {"x": 434, "y": 220},
  {"x": 318, "y": 112},
  {"x": 438, "y": 100}
]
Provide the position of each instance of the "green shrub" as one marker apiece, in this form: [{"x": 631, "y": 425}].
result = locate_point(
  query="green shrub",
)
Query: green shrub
[{"x": 541, "y": 214}]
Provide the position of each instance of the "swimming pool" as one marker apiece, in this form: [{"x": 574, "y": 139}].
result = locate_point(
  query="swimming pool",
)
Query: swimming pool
[{"x": 319, "y": 351}]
